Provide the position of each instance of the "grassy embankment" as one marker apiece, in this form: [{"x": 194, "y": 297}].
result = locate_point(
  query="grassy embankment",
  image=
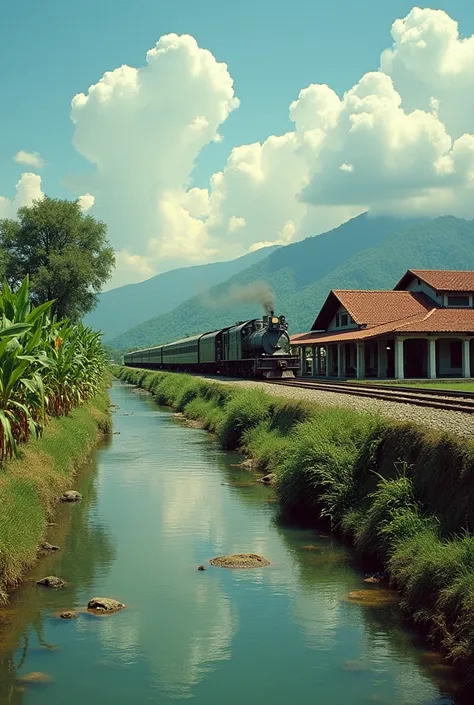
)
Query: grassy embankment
[
  {"x": 30, "y": 485},
  {"x": 404, "y": 495},
  {"x": 447, "y": 385}
]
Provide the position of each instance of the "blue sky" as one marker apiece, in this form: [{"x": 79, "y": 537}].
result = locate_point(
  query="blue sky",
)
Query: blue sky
[
  {"x": 413, "y": 150},
  {"x": 49, "y": 51}
]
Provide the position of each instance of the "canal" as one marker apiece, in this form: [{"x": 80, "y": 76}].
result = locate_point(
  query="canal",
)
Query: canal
[{"x": 160, "y": 499}]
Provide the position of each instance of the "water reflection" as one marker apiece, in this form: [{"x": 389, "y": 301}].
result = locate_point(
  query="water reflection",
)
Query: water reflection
[
  {"x": 164, "y": 499},
  {"x": 86, "y": 551}
]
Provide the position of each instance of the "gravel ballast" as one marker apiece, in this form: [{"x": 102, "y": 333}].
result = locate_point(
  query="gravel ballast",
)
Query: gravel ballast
[{"x": 453, "y": 421}]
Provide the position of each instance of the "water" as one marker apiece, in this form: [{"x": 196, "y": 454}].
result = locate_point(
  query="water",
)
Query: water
[{"x": 159, "y": 500}]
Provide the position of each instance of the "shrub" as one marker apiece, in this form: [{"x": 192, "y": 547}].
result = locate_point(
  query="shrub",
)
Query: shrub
[
  {"x": 317, "y": 475},
  {"x": 244, "y": 410}
]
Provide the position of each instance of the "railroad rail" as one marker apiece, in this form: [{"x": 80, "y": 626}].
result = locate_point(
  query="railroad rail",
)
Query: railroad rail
[{"x": 435, "y": 398}]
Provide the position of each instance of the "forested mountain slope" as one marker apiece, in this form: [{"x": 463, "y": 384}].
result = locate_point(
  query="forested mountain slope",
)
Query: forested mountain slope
[
  {"x": 289, "y": 271},
  {"x": 120, "y": 309}
]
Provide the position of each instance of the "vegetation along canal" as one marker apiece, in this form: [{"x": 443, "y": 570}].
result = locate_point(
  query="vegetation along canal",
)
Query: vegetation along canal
[{"x": 159, "y": 500}]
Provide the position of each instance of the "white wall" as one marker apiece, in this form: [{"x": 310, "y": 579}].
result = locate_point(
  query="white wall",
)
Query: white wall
[
  {"x": 425, "y": 289},
  {"x": 444, "y": 359},
  {"x": 332, "y": 325}
]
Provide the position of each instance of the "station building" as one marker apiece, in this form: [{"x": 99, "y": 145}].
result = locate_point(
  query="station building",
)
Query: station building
[{"x": 423, "y": 328}]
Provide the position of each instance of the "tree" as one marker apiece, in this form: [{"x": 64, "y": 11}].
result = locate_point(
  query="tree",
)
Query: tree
[{"x": 64, "y": 251}]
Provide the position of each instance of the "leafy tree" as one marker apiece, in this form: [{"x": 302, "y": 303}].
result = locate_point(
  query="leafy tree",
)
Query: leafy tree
[{"x": 64, "y": 251}]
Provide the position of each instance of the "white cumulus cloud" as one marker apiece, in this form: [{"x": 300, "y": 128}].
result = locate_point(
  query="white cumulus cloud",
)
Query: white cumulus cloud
[
  {"x": 27, "y": 190},
  {"x": 399, "y": 141},
  {"x": 86, "y": 201},
  {"x": 33, "y": 159},
  {"x": 144, "y": 128}
]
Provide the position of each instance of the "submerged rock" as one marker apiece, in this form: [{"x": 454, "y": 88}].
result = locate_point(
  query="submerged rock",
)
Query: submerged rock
[
  {"x": 104, "y": 605},
  {"x": 71, "y": 496},
  {"x": 376, "y": 578},
  {"x": 34, "y": 678},
  {"x": 48, "y": 547},
  {"x": 268, "y": 479},
  {"x": 240, "y": 560},
  {"x": 357, "y": 665},
  {"x": 68, "y": 615},
  {"x": 51, "y": 581},
  {"x": 373, "y": 598},
  {"x": 201, "y": 567}
]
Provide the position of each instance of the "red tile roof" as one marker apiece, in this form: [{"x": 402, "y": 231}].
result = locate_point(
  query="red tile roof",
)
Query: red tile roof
[
  {"x": 442, "y": 279},
  {"x": 381, "y": 313},
  {"x": 372, "y": 308},
  {"x": 437, "y": 320}
]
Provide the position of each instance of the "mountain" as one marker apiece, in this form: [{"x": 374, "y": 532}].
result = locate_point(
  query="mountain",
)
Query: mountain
[
  {"x": 442, "y": 243},
  {"x": 288, "y": 271},
  {"x": 120, "y": 309}
]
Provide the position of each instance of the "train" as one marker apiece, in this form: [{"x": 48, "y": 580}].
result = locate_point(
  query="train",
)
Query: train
[{"x": 259, "y": 347}]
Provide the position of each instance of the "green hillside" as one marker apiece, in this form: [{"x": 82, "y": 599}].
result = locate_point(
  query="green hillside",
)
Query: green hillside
[
  {"x": 443, "y": 243},
  {"x": 288, "y": 271},
  {"x": 120, "y": 309}
]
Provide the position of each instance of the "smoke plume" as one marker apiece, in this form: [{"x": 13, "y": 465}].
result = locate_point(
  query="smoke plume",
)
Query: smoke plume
[{"x": 256, "y": 292}]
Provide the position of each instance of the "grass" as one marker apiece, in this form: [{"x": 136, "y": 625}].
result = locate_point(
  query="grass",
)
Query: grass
[
  {"x": 402, "y": 493},
  {"x": 451, "y": 385},
  {"x": 30, "y": 485}
]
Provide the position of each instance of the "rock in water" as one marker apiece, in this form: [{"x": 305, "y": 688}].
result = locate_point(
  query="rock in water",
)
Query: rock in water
[
  {"x": 104, "y": 605},
  {"x": 68, "y": 615},
  {"x": 71, "y": 496},
  {"x": 268, "y": 479},
  {"x": 34, "y": 678},
  {"x": 201, "y": 567},
  {"x": 51, "y": 581},
  {"x": 48, "y": 547},
  {"x": 240, "y": 560}
]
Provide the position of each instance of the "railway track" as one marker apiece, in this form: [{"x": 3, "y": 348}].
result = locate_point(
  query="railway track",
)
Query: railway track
[{"x": 433, "y": 398}]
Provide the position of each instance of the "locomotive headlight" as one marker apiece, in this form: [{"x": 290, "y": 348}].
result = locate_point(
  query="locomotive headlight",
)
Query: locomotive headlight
[{"x": 275, "y": 319}]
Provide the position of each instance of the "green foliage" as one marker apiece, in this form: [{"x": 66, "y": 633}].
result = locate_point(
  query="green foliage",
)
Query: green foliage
[
  {"x": 46, "y": 367},
  {"x": 31, "y": 484},
  {"x": 63, "y": 251},
  {"x": 317, "y": 473},
  {"x": 244, "y": 411},
  {"x": 392, "y": 516}
]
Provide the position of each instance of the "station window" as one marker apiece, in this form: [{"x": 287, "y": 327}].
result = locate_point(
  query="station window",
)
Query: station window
[
  {"x": 459, "y": 301},
  {"x": 342, "y": 320}
]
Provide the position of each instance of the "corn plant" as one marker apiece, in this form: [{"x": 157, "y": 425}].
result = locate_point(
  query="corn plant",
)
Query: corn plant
[{"x": 47, "y": 367}]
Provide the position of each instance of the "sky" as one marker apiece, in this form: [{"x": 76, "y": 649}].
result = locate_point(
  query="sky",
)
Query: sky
[{"x": 201, "y": 131}]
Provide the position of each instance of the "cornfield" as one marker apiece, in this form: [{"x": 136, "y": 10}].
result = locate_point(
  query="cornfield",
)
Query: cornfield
[{"x": 47, "y": 367}]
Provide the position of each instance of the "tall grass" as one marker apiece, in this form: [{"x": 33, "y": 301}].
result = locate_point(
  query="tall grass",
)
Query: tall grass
[
  {"x": 31, "y": 483},
  {"x": 402, "y": 493}
]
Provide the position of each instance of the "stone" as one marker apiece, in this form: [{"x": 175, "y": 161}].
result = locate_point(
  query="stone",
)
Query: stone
[
  {"x": 201, "y": 567},
  {"x": 48, "y": 547},
  {"x": 34, "y": 678},
  {"x": 376, "y": 578},
  {"x": 68, "y": 615},
  {"x": 51, "y": 581},
  {"x": 240, "y": 560},
  {"x": 268, "y": 479},
  {"x": 380, "y": 597},
  {"x": 104, "y": 605},
  {"x": 71, "y": 496}
]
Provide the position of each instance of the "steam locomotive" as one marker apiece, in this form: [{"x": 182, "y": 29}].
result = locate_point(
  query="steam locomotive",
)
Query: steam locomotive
[{"x": 256, "y": 348}]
